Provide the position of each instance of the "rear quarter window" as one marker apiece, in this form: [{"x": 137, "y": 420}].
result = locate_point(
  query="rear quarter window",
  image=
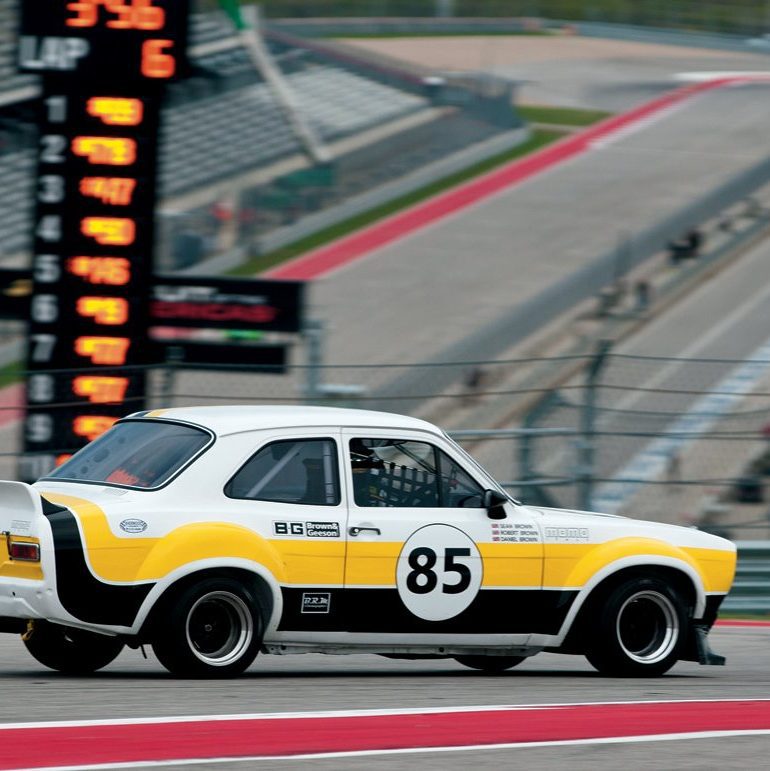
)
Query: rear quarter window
[{"x": 143, "y": 454}]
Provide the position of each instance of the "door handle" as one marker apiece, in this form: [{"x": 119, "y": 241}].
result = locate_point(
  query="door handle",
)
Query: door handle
[{"x": 358, "y": 530}]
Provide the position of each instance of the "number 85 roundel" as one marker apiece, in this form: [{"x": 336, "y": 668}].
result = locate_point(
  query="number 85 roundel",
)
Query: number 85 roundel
[{"x": 439, "y": 572}]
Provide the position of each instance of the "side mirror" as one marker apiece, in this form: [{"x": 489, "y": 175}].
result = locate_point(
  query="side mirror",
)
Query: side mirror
[{"x": 494, "y": 502}]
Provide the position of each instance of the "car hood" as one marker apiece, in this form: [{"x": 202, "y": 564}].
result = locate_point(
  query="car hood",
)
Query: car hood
[{"x": 614, "y": 525}]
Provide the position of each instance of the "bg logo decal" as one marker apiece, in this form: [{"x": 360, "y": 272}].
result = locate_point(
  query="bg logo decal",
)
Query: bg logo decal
[
  {"x": 439, "y": 572},
  {"x": 316, "y": 602}
]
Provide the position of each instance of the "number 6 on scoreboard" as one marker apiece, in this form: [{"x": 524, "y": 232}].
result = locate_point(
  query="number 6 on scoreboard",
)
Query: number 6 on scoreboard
[{"x": 156, "y": 62}]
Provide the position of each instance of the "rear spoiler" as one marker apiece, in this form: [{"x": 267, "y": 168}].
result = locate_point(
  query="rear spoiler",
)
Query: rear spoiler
[{"x": 20, "y": 506}]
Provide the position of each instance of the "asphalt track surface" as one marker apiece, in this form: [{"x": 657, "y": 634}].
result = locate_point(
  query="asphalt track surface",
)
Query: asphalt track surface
[{"x": 135, "y": 691}]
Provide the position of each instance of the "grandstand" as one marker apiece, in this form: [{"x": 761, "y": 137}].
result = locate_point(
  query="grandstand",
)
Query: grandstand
[{"x": 226, "y": 138}]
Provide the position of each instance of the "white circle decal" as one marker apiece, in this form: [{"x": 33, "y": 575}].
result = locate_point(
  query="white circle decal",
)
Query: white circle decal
[{"x": 439, "y": 572}]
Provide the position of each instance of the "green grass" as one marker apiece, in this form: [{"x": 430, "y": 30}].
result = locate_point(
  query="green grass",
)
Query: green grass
[
  {"x": 560, "y": 116},
  {"x": 11, "y": 373},
  {"x": 539, "y": 139}
]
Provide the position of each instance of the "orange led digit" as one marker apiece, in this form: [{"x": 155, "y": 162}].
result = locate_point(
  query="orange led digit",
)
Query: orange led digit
[
  {"x": 86, "y": 13},
  {"x": 112, "y": 271},
  {"x": 92, "y": 426},
  {"x": 156, "y": 61},
  {"x": 100, "y": 390},
  {"x": 110, "y": 151},
  {"x": 116, "y": 111},
  {"x": 117, "y": 191},
  {"x": 103, "y": 350},
  {"x": 109, "y": 231},
  {"x": 110, "y": 311},
  {"x": 139, "y": 14},
  {"x": 148, "y": 17}
]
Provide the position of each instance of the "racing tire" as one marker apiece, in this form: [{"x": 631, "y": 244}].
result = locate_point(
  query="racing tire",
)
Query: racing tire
[
  {"x": 640, "y": 630},
  {"x": 212, "y": 629},
  {"x": 71, "y": 651},
  {"x": 490, "y": 664}
]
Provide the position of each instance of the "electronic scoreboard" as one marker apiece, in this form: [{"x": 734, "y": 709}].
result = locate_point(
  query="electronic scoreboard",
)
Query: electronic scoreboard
[{"x": 103, "y": 65}]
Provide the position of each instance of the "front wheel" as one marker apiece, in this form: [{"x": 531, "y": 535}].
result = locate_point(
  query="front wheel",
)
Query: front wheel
[
  {"x": 71, "y": 651},
  {"x": 212, "y": 629},
  {"x": 640, "y": 630},
  {"x": 490, "y": 664}
]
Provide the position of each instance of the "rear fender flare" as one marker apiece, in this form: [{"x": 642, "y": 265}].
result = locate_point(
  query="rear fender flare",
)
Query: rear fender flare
[{"x": 209, "y": 566}]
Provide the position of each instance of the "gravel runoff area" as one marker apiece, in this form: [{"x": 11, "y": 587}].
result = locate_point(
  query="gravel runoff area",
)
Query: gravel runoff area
[{"x": 567, "y": 71}]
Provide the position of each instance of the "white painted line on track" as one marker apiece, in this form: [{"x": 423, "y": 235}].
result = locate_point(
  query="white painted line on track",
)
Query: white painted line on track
[
  {"x": 704, "y": 77},
  {"x": 361, "y": 712},
  {"x": 409, "y": 750}
]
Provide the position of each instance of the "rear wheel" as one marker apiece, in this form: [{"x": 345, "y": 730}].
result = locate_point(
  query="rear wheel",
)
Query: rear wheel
[
  {"x": 212, "y": 629},
  {"x": 72, "y": 651},
  {"x": 640, "y": 630},
  {"x": 490, "y": 664}
]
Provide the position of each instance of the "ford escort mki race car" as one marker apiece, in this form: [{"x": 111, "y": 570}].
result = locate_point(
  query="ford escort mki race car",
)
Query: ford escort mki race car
[{"x": 214, "y": 533}]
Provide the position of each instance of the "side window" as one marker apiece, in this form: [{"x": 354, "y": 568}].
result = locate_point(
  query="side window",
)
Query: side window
[
  {"x": 458, "y": 489},
  {"x": 300, "y": 471},
  {"x": 394, "y": 472}
]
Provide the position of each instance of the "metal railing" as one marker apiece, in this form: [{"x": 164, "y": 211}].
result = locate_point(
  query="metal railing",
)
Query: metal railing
[{"x": 751, "y": 590}]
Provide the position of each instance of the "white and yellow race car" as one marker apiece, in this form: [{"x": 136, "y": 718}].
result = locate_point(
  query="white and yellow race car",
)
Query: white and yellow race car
[{"x": 214, "y": 533}]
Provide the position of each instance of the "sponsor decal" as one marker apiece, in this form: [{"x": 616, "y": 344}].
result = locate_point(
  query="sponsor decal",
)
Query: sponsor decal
[
  {"x": 322, "y": 529},
  {"x": 316, "y": 602},
  {"x": 309, "y": 529},
  {"x": 514, "y": 532},
  {"x": 289, "y": 528},
  {"x": 20, "y": 526},
  {"x": 133, "y": 525},
  {"x": 567, "y": 534}
]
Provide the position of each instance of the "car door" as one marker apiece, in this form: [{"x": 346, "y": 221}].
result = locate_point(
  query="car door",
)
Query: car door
[
  {"x": 425, "y": 562},
  {"x": 288, "y": 489}
]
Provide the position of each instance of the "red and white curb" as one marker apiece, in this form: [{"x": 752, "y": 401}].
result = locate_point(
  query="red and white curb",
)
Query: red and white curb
[{"x": 217, "y": 739}]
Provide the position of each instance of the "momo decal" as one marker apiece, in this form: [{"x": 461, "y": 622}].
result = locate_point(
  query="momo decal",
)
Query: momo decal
[{"x": 567, "y": 534}]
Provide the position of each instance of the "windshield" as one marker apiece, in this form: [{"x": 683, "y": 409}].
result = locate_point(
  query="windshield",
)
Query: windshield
[{"x": 143, "y": 454}]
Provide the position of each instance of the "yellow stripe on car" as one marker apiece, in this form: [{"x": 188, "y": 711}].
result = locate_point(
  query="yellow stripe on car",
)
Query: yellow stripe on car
[
  {"x": 572, "y": 565},
  {"x": 120, "y": 559}
]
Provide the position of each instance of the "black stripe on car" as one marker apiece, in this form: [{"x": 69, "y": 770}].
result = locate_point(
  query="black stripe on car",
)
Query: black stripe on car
[
  {"x": 493, "y": 611},
  {"x": 82, "y": 594}
]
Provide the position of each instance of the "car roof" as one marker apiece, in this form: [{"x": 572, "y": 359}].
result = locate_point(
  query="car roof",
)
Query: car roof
[{"x": 237, "y": 418}]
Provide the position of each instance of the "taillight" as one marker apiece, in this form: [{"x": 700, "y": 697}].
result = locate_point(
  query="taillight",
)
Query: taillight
[{"x": 21, "y": 550}]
